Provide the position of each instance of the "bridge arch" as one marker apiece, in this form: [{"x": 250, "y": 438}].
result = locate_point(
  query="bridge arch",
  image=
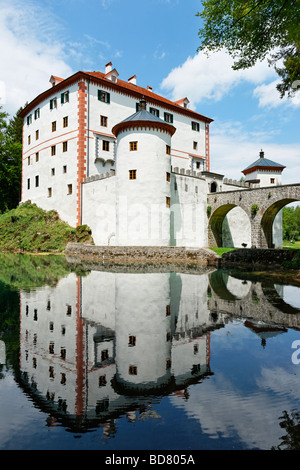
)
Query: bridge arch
[
  {"x": 268, "y": 218},
  {"x": 268, "y": 202},
  {"x": 223, "y": 223}
]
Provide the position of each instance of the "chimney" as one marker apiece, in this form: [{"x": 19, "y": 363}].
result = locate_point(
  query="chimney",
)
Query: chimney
[
  {"x": 132, "y": 80},
  {"x": 149, "y": 88},
  {"x": 108, "y": 68},
  {"x": 261, "y": 154}
]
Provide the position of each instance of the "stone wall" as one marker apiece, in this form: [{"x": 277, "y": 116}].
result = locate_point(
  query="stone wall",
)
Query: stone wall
[
  {"x": 139, "y": 253},
  {"x": 258, "y": 257}
]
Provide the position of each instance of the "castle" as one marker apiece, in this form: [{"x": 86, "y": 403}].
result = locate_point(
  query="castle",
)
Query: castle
[{"x": 132, "y": 165}]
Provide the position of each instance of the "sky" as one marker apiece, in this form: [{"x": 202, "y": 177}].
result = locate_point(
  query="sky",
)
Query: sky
[{"x": 156, "y": 40}]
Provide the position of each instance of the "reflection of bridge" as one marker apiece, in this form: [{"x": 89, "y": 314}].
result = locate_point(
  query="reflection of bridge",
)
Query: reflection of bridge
[
  {"x": 242, "y": 296},
  {"x": 269, "y": 201}
]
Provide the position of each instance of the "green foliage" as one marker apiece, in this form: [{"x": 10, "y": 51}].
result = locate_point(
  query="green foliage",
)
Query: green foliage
[
  {"x": 252, "y": 29},
  {"x": 254, "y": 208},
  {"x": 291, "y": 223},
  {"x": 31, "y": 229},
  {"x": 10, "y": 160}
]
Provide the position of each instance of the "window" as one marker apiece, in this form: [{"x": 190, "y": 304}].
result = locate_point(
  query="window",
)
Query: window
[
  {"x": 168, "y": 363},
  {"x": 102, "y": 381},
  {"x": 37, "y": 181},
  {"x": 168, "y": 150},
  {"x": 138, "y": 107},
  {"x": 198, "y": 165},
  {"x": 65, "y": 169},
  {"x": 272, "y": 180},
  {"x": 195, "y": 145},
  {"x": 28, "y": 140},
  {"x": 65, "y": 121},
  {"x": 168, "y": 177},
  {"x": 168, "y": 201},
  {"x": 63, "y": 378},
  {"x": 36, "y": 135},
  {"x": 63, "y": 353},
  {"x": 28, "y": 183},
  {"x": 49, "y": 192},
  {"x": 132, "y": 174},
  {"x": 105, "y": 145},
  {"x": 28, "y": 161},
  {"x": 29, "y": 119},
  {"x": 104, "y": 355},
  {"x": 168, "y": 336},
  {"x": 64, "y": 97},
  {"x": 37, "y": 113},
  {"x": 53, "y": 150},
  {"x": 195, "y": 126},
  {"x": 53, "y": 126},
  {"x": 37, "y": 157},
  {"x": 69, "y": 309},
  {"x": 51, "y": 348},
  {"x": 168, "y": 117},
  {"x": 168, "y": 310},
  {"x": 133, "y": 146},
  {"x": 65, "y": 146},
  {"x": 103, "y": 96},
  {"x": 69, "y": 189},
  {"x": 103, "y": 121},
  {"x": 154, "y": 111},
  {"x": 131, "y": 341},
  {"x": 52, "y": 171},
  {"x": 132, "y": 370},
  {"x": 53, "y": 103}
]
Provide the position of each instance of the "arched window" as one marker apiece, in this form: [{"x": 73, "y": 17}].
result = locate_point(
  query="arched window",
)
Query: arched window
[{"x": 213, "y": 187}]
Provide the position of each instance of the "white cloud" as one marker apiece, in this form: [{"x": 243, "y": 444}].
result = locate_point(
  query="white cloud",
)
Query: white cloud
[
  {"x": 32, "y": 50},
  {"x": 232, "y": 149},
  {"x": 268, "y": 96},
  {"x": 204, "y": 78}
]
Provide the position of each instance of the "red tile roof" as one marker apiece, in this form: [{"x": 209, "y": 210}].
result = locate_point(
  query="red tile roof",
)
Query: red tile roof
[{"x": 120, "y": 86}]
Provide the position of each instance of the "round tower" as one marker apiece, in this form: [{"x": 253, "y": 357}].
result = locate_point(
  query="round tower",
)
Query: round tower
[{"x": 143, "y": 175}]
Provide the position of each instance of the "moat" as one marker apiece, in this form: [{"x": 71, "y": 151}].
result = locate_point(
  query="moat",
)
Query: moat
[{"x": 115, "y": 356}]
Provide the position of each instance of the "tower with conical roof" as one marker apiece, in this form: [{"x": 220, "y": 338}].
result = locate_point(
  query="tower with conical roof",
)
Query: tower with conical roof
[
  {"x": 143, "y": 177},
  {"x": 264, "y": 172}
]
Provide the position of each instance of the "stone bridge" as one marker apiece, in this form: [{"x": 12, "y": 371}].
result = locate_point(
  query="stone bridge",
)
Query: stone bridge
[{"x": 260, "y": 204}]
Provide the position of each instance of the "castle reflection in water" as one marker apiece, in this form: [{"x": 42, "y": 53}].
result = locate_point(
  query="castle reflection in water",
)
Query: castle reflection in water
[{"x": 107, "y": 344}]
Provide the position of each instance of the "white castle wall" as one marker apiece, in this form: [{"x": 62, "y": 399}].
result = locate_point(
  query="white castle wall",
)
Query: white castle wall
[
  {"x": 60, "y": 200},
  {"x": 99, "y": 208},
  {"x": 188, "y": 210}
]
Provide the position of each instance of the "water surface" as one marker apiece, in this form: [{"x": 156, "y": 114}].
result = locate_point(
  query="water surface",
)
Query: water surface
[{"x": 145, "y": 357}]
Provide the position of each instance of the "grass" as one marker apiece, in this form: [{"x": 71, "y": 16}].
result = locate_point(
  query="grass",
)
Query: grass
[
  {"x": 28, "y": 228},
  {"x": 221, "y": 250},
  {"x": 288, "y": 244}
]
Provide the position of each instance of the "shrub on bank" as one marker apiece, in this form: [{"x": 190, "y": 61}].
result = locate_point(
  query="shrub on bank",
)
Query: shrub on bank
[{"x": 29, "y": 228}]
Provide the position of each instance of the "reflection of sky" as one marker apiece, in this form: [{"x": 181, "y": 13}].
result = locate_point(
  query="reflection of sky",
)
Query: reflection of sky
[
  {"x": 247, "y": 394},
  {"x": 291, "y": 295}
]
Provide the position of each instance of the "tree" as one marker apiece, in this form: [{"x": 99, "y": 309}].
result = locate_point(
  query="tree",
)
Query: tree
[
  {"x": 252, "y": 30},
  {"x": 10, "y": 160},
  {"x": 291, "y": 223}
]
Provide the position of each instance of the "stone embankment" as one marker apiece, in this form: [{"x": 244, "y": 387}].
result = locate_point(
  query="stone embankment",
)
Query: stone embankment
[
  {"x": 201, "y": 256},
  {"x": 258, "y": 257}
]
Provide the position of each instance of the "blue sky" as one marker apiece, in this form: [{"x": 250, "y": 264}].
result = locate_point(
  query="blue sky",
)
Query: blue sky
[{"x": 156, "y": 40}]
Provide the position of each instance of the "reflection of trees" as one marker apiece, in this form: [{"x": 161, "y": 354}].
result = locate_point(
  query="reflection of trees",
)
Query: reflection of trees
[{"x": 291, "y": 441}]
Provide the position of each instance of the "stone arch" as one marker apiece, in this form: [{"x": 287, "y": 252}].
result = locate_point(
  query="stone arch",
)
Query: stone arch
[
  {"x": 268, "y": 217},
  {"x": 216, "y": 225}
]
